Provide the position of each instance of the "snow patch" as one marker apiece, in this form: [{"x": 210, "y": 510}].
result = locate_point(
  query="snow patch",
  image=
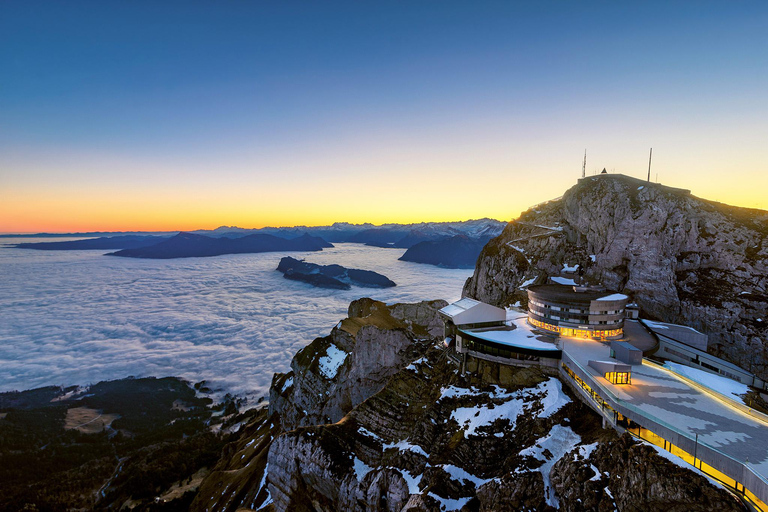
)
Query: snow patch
[
  {"x": 368, "y": 433},
  {"x": 527, "y": 283},
  {"x": 558, "y": 442},
  {"x": 332, "y": 360},
  {"x": 724, "y": 385},
  {"x": 614, "y": 296},
  {"x": 361, "y": 469},
  {"x": 567, "y": 268},
  {"x": 563, "y": 280},
  {"x": 460, "y": 474},
  {"x": 412, "y": 481},
  {"x": 586, "y": 450},
  {"x": 448, "y": 503},
  {"x": 454, "y": 391},
  {"x": 406, "y": 446},
  {"x": 412, "y": 366},
  {"x": 552, "y": 399}
]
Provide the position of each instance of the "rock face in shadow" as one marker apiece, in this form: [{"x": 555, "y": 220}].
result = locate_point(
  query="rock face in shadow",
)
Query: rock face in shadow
[
  {"x": 188, "y": 245},
  {"x": 375, "y": 417},
  {"x": 331, "y": 276},
  {"x": 624, "y": 475},
  {"x": 456, "y": 252},
  {"x": 683, "y": 259}
]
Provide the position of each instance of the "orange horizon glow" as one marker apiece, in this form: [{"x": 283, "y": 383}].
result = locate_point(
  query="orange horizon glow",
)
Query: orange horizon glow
[
  {"x": 287, "y": 115},
  {"x": 51, "y": 212}
]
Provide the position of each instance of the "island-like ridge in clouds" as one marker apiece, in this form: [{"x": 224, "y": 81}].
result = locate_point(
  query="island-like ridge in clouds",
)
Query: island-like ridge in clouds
[{"x": 331, "y": 276}]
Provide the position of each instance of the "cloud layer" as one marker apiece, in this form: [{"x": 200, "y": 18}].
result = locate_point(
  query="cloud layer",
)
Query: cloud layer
[{"x": 77, "y": 317}]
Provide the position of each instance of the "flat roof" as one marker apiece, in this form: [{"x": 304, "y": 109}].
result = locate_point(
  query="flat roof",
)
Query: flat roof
[
  {"x": 519, "y": 334},
  {"x": 669, "y": 400},
  {"x": 637, "y": 336},
  {"x": 626, "y": 345},
  {"x": 661, "y": 327},
  {"x": 459, "y": 306},
  {"x": 567, "y": 293}
]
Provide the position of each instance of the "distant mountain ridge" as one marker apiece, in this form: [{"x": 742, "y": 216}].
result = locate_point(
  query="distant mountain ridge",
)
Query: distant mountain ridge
[
  {"x": 458, "y": 243},
  {"x": 188, "y": 245},
  {"x": 459, "y": 251},
  {"x": 448, "y": 244},
  {"x": 335, "y": 233},
  {"x": 384, "y": 235},
  {"x": 105, "y": 242}
]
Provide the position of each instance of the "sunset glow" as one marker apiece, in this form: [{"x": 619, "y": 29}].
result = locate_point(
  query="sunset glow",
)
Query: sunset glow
[{"x": 255, "y": 114}]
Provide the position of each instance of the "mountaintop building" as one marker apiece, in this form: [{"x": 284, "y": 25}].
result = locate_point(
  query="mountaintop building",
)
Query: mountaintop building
[
  {"x": 578, "y": 311},
  {"x": 652, "y": 379}
]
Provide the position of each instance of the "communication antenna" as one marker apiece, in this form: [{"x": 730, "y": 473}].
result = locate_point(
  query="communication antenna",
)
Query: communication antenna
[
  {"x": 584, "y": 165},
  {"x": 649, "y": 165}
]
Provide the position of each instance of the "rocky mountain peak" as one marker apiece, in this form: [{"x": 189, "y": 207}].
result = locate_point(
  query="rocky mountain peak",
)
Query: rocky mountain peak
[{"x": 683, "y": 259}]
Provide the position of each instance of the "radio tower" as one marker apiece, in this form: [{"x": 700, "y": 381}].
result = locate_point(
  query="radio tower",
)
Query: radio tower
[
  {"x": 584, "y": 165},
  {"x": 649, "y": 165}
]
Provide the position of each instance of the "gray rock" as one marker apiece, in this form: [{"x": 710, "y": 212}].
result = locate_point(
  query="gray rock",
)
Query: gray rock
[{"x": 681, "y": 258}]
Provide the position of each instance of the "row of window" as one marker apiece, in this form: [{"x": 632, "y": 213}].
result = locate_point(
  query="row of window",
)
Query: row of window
[
  {"x": 577, "y": 333},
  {"x": 567, "y": 319},
  {"x": 498, "y": 352},
  {"x": 558, "y": 308},
  {"x": 575, "y": 310}
]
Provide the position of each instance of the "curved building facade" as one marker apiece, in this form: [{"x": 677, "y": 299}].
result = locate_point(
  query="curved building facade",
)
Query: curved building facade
[{"x": 582, "y": 312}]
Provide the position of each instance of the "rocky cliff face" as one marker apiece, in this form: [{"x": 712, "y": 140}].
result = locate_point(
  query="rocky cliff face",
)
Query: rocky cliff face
[
  {"x": 375, "y": 417},
  {"x": 681, "y": 258}
]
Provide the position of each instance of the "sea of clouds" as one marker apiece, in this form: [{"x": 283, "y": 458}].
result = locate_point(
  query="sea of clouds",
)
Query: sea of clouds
[{"x": 78, "y": 317}]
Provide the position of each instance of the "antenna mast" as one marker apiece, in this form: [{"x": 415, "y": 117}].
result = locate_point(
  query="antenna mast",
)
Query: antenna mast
[
  {"x": 584, "y": 165},
  {"x": 649, "y": 165}
]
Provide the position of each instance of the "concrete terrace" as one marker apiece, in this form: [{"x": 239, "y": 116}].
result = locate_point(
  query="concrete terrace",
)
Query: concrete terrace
[
  {"x": 728, "y": 439},
  {"x": 705, "y": 426}
]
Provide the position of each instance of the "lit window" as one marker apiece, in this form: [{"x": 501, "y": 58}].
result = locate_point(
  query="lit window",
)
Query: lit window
[{"x": 618, "y": 377}]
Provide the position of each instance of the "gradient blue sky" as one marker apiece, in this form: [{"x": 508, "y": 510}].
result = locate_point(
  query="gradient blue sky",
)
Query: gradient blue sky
[{"x": 183, "y": 115}]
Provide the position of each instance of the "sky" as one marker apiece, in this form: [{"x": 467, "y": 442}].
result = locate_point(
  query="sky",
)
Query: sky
[{"x": 144, "y": 115}]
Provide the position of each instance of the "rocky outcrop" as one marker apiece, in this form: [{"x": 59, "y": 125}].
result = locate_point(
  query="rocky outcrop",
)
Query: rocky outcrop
[
  {"x": 622, "y": 474},
  {"x": 392, "y": 426},
  {"x": 328, "y": 378},
  {"x": 681, "y": 258},
  {"x": 332, "y": 375},
  {"x": 431, "y": 441}
]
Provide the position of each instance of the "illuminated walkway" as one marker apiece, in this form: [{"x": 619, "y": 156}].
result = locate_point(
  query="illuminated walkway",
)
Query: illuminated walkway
[{"x": 687, "y": 418}]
